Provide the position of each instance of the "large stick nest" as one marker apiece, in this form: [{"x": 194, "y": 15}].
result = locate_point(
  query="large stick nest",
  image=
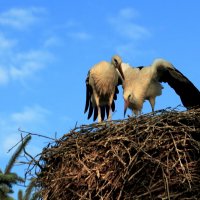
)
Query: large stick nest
[{"x": 149, "y": 157}]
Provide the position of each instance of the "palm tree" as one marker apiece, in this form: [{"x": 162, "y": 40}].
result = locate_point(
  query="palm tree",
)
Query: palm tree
[{"x": 8, "y": 178}]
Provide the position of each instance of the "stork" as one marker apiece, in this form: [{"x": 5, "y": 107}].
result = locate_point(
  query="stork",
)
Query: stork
[
  {"x": 144, "y": 83},
  {"x": 101, "y": 88}
]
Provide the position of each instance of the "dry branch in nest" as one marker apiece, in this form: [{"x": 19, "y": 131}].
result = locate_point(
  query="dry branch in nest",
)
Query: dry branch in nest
[{"x": 151, "y": 157}]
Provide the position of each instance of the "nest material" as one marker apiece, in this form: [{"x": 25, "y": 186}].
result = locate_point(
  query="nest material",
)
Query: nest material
[{"x": 149, "y": 157}]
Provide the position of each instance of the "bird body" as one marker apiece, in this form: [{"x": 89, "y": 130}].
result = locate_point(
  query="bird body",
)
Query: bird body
[
  {"x": 101, "y": 88},
  {"x": 140, "y": 84},
  {"x": 144, "y": 83},
  {"x": 104, "y": 78}
]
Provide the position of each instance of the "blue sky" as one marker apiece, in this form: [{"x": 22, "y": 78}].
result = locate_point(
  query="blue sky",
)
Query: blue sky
[{"x": 47, "y": 48}]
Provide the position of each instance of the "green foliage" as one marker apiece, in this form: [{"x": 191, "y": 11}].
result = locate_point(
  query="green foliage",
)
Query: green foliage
[
  {"x": 20, "y": 195},
  {"x": 29, "y": 194},
  {"x": 8, "y": 179},
  {"x": 16, "y": 154}
]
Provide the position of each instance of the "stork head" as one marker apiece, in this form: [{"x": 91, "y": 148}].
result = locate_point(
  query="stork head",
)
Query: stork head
[
  {"x": 128, "y": 101},
  {"x": 117, "y": 61},
  {"x": 132, "y": 101}
]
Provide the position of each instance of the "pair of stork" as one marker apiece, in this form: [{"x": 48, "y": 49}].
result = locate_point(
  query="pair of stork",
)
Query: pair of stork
[{"x": 139, "y": 84}]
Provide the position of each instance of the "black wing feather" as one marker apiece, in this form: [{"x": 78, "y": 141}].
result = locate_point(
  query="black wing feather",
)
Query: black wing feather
[
  {"x": 140, "y": 67},
  {"x": 113, "y": 106},
  {"x": 104, "y": 109},
  {"x": 103, "y": 112},
  {"x": 90, "y": 110},
  {"x": 107, "y": 110},
  {"x": 115, "y": 96},
  {"x": 88, "y": 103},
  {"x": 88, "y": 93},
  {"x": 189, "y": 94},
  {"x": 95, "y": 113},
  {"x": 116, "y": 92}
]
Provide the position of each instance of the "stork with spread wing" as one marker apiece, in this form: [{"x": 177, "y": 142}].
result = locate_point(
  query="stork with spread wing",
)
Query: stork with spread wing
[{"x": 144, "y": 83}]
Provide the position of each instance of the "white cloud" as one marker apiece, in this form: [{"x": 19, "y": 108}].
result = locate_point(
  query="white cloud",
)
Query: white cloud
[
  {"x": 20, "y": 18},
  {"x": 8, "y": 147},
  {"x": 4, "y": 77},
  {"x": 124, "y": 24},
  {"x": 27, "y": 119},
  {"x": 27, "y": 64},
  {"x": 6, "y": 43},
  {"x": 16, "y": 62},
  {"x": 35, "y": 114},
  {"x": 6, "y": 55},
  {"x": 52, "y": 42},
  {"x": 81, "y": 35},
  {"x": 128, "y": 50},
  {"x": 131, "y": 51},
  {"x": 71, "y": 24},
  {"x": 128, "y": 13},
  {"x": 21, "y": 66},
  {"x": 9, "y": 142},
  {"x": 75, "y": 31}
]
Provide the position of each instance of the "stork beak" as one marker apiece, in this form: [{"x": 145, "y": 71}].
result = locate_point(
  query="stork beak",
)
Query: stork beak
[
  {"x": 121, "y": 72},
  {"x": 126, "y": 103}
]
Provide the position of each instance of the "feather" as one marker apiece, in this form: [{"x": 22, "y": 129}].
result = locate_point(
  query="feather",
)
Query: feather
[
  {"x": 189, "y": 94},
  {"x": 101, "y": 85}
]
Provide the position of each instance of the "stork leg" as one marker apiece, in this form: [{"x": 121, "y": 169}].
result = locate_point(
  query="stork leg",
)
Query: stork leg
[
  {"x": 152, "y": 102},
  {"x": 99, "y": 114},
  {"x": 96, "y": 97},
  {"x": 110, "y": 107},
  {"x": 110, "y": 113},
  {"x": 136, "y": 113}
]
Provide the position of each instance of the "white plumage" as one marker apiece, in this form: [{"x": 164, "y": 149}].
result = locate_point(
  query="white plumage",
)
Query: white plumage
[
  {"x": 101, "y": 88},
  {"x": 144, "y": 83}
]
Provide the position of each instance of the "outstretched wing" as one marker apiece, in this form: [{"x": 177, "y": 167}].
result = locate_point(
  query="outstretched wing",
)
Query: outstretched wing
[{"x": 189, "y": 94}]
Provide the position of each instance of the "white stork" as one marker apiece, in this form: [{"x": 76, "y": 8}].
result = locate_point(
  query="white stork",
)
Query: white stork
[
  {"x": 101, "y": 88},
  {"x": 144, "y": 83}
]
